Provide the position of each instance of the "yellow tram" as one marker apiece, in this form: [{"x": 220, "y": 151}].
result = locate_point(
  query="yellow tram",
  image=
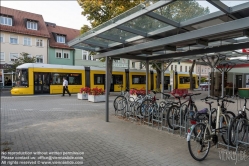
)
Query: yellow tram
[{"x": 34, "y": 78}]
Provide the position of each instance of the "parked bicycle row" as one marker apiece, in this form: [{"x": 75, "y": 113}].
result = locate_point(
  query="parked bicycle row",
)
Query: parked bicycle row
[{"x": 200, "y": 127}]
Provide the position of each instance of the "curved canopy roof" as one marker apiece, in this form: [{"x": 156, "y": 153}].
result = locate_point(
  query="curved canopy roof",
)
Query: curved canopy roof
[{"x": 171, "y": 29}]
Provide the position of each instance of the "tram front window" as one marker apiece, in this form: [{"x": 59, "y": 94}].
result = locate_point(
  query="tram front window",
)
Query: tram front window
[{"x": 22, "y": 77}]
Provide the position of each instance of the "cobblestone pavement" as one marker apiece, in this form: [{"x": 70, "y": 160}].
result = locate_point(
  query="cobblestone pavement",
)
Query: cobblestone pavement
[{"x": 65, "y": 124}]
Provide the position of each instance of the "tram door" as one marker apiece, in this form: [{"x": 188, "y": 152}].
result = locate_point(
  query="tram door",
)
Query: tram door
[{"x": 42, "y": 83}]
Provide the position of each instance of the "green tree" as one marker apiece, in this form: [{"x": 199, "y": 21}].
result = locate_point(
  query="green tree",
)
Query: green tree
[
  {"x": 24, "y": 58},
  {"x": 179, "y": 11},
  {"x": 100, "y": 11}
]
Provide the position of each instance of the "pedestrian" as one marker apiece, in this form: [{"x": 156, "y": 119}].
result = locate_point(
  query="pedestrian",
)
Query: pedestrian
[{"x": 65, "y": 87}]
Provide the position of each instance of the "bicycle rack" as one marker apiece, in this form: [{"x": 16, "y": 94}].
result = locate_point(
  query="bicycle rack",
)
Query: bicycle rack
[
  {"x": 164, "y": 119},
  {"x": 237, "y": 135},
  {"x": 158, "y": 118}
]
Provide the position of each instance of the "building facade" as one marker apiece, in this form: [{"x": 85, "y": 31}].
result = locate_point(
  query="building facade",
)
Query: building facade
[{"x": 21, "y": 32}]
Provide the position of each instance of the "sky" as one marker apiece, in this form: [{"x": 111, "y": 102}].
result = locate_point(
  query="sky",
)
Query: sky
[
  {"x": 62, "y": 13},
  {"x": 67, "y": 13}
]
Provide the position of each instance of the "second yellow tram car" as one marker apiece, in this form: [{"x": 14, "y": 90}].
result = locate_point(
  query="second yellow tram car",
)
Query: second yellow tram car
[{"x": 33, "y": 78}]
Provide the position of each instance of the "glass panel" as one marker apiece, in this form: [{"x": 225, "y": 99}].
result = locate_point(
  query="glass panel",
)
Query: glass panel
[
  {"x": 119, "y": 17},
  {"x": 183, "y": 10},
  {"x": 100, "y": 40},
  {"x": 233, "y": 3},
  {"x": 145, "y": 23},
  {"x": 123, "y": 35}
]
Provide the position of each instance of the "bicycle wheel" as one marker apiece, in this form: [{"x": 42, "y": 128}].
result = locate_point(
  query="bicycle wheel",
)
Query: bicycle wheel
[
  {"x": 235, "y": 125},
  {"x": 173, "y": 117},
  {"x": 198, "y": 146},
  {"x": 144, "y": 108},
  {"x": 224, "y": 125},
  {"x": 120, "y": 103}
]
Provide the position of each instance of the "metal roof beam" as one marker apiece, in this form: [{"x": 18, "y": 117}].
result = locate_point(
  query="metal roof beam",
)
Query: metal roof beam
[
  {"x": 84, "y": 48},
  {"x": 202, "y": 51},
  {"x": 163, "y": 19},
  {"x": 122, "y": 21},
  {"x": 112, "y": 38},
  {"x": 95, "y": 44},
  {"x": 132, "y": 30},
  {"x": 202, "y": 42},
  {"x": 227, "y": 27},
  {"x": 221, "y": 6},
  {"x": 171, "y": 48},
  {"x": 246, "y": 33}
]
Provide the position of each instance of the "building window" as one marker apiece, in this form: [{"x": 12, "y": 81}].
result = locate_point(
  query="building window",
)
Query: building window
[
  {"x": 186, "y": 68},
  {"x": 58, "y": 55},
  {"x": 32, "y": 25},
  {"x": 133, "y": 64},
  {"x": 84, "y": 54},
  {"x": 180, "y": 68},
  {"x": 2, "y": 38},
  {"x": 175, "y": 67},
  {"x": 39, "y": 42},
  {"x": 27, "y": 41},
  {"x": 39, "y": 59},
  {"x": 2, "y": 58},
  {"x": 66, "y": 55},
  {"x": 13, "y": 39},
  {"x": 171, "y": 67},
  {"x": 13, "y": 57},
  {"x": 60, "y": 39},
  {"x": 6, "y": 20}
]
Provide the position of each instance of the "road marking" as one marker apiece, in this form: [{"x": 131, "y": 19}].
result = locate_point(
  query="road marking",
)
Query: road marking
[{"x": 13, "y": 109}]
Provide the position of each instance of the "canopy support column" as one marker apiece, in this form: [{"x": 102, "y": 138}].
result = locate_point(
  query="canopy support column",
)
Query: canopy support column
[
  {"x": 147, "y": 76},
  {"x": 233, "y": 82},
  {"x": 162, "y": 79},
  {"x": 222, "y": 84},
  {"x": 209, "y": 83},
  {"x": 107, "y": 76}
]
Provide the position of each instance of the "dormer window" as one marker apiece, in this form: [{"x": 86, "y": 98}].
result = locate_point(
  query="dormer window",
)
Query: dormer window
[
  {"x": 60, "y": 39},
  {"x": 32, "y": 25},
  {"x": 6, "y": 20}
]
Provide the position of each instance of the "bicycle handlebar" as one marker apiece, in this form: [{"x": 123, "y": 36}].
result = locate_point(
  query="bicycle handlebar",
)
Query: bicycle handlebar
[
  {"x": 218, "y": 98},
  {"x": 191, "y": 94}
]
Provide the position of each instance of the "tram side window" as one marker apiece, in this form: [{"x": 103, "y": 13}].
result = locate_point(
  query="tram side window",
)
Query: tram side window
[
  {"x": 138, "y": 79},
  {"x": 57, "y": 78},
  {"x": 99, "y": 79},
  {"x": 118, "y": 79},
  {"x": 22, "y": 77},
  {"x": 186, "y": 80},
  {"x": 74, "y": 79}
]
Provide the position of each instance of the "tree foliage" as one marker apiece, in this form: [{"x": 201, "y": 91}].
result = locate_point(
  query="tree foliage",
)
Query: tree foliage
[
  {"x": 179, "y": 11},
  {"x": 24, "y": 58},
  {"x": 100, "y": 11}
]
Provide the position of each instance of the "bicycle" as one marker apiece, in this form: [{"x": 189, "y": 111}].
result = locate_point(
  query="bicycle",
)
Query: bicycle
[
  {"x": 177, "y": 112},
  {"x": 240, "y": 122},
  {"x": 202, "y": 132}
]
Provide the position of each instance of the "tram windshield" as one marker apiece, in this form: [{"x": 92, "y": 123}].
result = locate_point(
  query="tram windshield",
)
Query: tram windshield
[{"x": 22, "y": 77}]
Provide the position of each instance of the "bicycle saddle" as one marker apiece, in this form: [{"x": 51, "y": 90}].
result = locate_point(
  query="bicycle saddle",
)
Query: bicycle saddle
[{"x": 203, "y": 111}]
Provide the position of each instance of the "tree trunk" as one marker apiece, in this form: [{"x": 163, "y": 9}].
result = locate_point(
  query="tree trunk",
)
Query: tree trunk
[
  {"x": 158, "y": 78},
  {"x": 191, "y": 75}
]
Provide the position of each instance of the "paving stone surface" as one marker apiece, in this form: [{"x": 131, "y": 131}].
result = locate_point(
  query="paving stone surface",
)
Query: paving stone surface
[{"x": 65, "y": 124}]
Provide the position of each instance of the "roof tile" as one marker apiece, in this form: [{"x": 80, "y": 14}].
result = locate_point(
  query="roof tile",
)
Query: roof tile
[
  {"x": 19, "y": 22},
  {"x": 68, "y": 32}
]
